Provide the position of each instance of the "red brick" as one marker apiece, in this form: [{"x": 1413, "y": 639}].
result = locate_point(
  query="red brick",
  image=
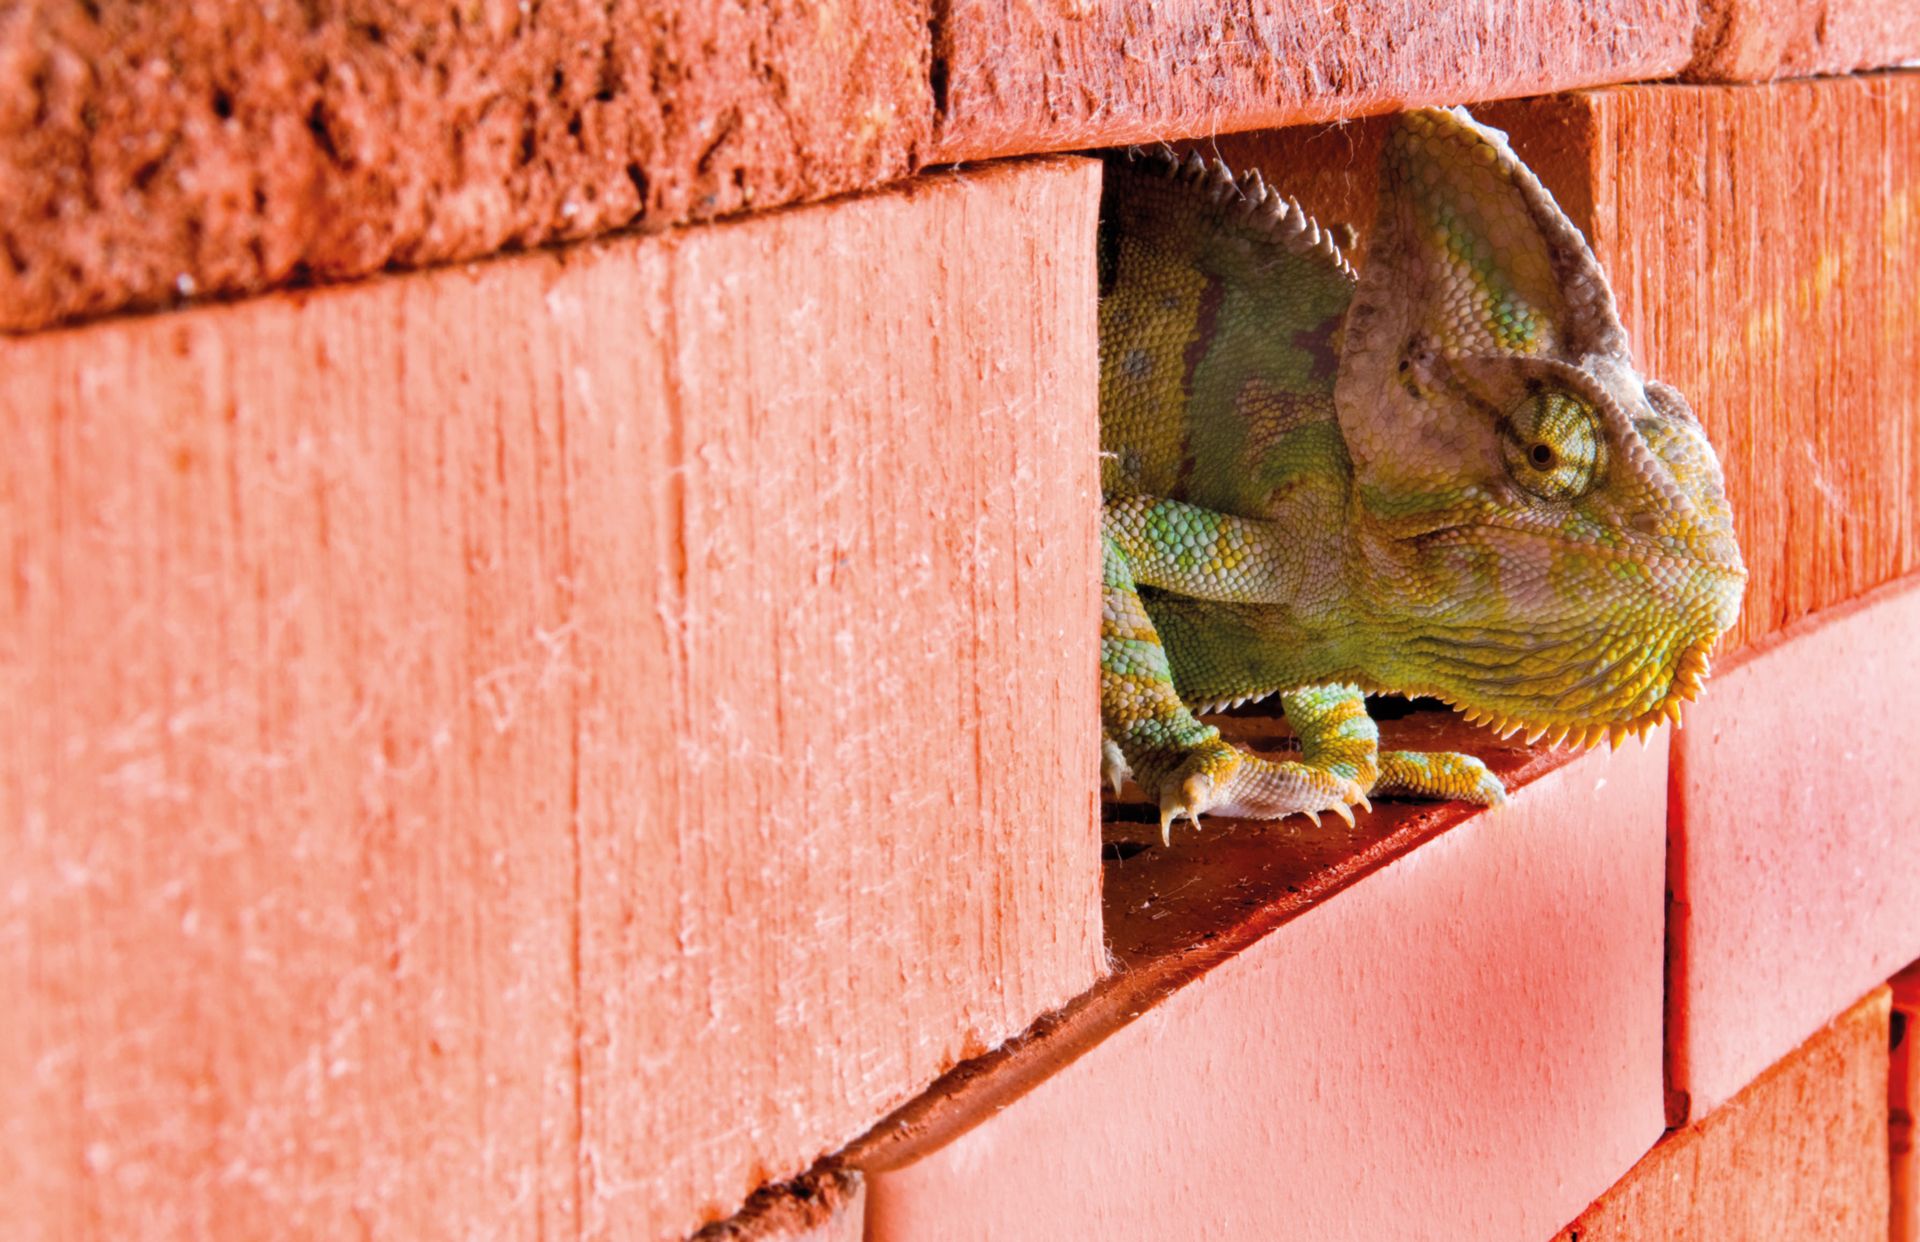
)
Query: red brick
[
  {"x": 1330, "y": 1034},
  {"x": 1027, "y": 77},
  {"x": 1903, "y": 1102},
  {"x": 1757, "y": 40},
  {"x": 1796, "y": 875},
  {"x": 1799, "y": 1155},
  {"x": 829, "y": 1206},
  {"x": 548, "y": 747},
  {"x": 148, "y": 150}
]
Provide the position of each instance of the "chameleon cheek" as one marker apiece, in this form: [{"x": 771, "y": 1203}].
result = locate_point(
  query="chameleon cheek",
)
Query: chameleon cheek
[{"x": 1519, "y": 630}]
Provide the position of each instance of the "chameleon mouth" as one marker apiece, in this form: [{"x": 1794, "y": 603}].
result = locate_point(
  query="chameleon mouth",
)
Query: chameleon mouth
[{"x": 1690, "y": 673}]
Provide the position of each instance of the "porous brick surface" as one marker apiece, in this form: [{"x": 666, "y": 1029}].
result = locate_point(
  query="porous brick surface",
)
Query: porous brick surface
[
  {"x": 153, "y": 150},
  {"x": 1025, "y": 77},
  {"x": 828, "y": 1206},
  {"x": 1421, "y": 1028},
  {"x": 1796, "y": 870},
  {"x": 1749, "y": 40},
  {"x": 1799, "y": 1155},
  {"x": 545, "y": 748}
]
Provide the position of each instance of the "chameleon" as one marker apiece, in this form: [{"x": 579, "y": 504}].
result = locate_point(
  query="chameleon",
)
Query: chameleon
[{"x": 1442, "y": 476}]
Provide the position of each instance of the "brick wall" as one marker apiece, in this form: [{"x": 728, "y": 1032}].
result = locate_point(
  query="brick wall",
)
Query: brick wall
[{"x": 548, "y": 696}]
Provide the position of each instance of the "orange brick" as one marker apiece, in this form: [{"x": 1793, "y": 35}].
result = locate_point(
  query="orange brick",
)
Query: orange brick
[
  {"x": 224, "y": 146},
  {"x": 1757, "y": 40},
  {"x": 1795, "y": 872},
  {"x": 548, "y": 747},
  {"x": 1028, "y": 77},
  {"x": 1798, "y": 1156},
  {"x": 1903, "y": 1088},
  {"x": 1422, "y": 1028}
]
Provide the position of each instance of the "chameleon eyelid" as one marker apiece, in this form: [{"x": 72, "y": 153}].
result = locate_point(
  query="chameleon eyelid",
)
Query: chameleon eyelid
[
  {"x": 1626, "y": 450},
  {"x": 1615, "y": 425}
]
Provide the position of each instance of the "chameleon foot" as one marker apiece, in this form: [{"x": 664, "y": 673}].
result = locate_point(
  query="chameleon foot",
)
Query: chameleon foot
[
  {"x": 1218, "y": 779},
  {"x": 1443, "y": 775}
]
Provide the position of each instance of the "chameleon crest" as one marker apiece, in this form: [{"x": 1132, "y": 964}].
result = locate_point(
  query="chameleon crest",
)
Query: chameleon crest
[{"x": 1441, "y": 477}]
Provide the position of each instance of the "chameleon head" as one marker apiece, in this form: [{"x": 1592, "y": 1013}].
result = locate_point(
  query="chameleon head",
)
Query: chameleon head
[{"x": 1542, "y": 536}]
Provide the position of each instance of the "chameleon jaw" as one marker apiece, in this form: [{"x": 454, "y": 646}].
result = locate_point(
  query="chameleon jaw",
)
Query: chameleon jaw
[{"x": 1689, "y": 676}]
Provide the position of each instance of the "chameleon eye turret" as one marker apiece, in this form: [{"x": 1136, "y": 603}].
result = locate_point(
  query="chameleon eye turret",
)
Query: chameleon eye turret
[
  {"x": 1553, "y": 445},
  {"x": 1440, "y": 476}
]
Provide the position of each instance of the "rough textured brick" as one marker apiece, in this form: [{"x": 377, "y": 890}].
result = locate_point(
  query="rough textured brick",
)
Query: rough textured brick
[
  {"x": 1757, "y": 239},
  {"x": 150, "y": 150},
  {"x": 548, "y": 747},
  {"x": 1796, "y": 870},
  {"x": 828, "y": 1206},
  {"x": 1025, "y": 77},
  {"x": 1324, "y": 1034},
  {"x": 1903, "y": 1101},
  {"x": 1798, "y": 1156},
  {"x": 1748, "y": 40}
]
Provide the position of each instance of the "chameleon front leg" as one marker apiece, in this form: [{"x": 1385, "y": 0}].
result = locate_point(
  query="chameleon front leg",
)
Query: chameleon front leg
[
  {"x": 1200, "y": 553},
  {"x": 1183, "y": 763}
]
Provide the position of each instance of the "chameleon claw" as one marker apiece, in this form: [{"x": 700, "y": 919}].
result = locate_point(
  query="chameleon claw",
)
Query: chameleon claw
[
  {"x": 1196, "y": 794},
  {"x": 1341, "y": 809},
  {"x": 1362, "y": 802}
]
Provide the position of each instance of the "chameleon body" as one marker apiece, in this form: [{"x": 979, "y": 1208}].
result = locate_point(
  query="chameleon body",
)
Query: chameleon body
[{"x": 1443, "y": 477}]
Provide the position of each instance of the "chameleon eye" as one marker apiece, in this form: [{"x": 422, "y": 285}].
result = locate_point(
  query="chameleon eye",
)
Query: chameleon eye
[{"x": 1552, "y": 445}]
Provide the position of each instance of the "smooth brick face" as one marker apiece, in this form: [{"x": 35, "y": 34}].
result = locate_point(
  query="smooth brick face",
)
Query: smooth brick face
[
  {"x": 1795, "y": 863},
  {"x": 223, "y": 146},
  {"x": 548, "y": 747},
  {"x": 1758, "y": 40},
  {"x": 1464, "y": 1043},
  {"x": 1798, "y": 1156},
  {"x": 1025, "y": 77}
]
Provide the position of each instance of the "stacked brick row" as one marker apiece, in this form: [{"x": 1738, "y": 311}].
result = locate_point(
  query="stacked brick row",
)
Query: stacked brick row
[
  {"x": 558, "y": 743},
  {"x": 546, "y": 746}
]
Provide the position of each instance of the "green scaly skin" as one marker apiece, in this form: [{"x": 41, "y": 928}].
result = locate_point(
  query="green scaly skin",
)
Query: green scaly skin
[{"x": 1442, "y": 478}]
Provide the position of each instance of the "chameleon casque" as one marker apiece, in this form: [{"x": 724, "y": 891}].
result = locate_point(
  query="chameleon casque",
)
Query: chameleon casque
[{"x": 1442, "y": 477}]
